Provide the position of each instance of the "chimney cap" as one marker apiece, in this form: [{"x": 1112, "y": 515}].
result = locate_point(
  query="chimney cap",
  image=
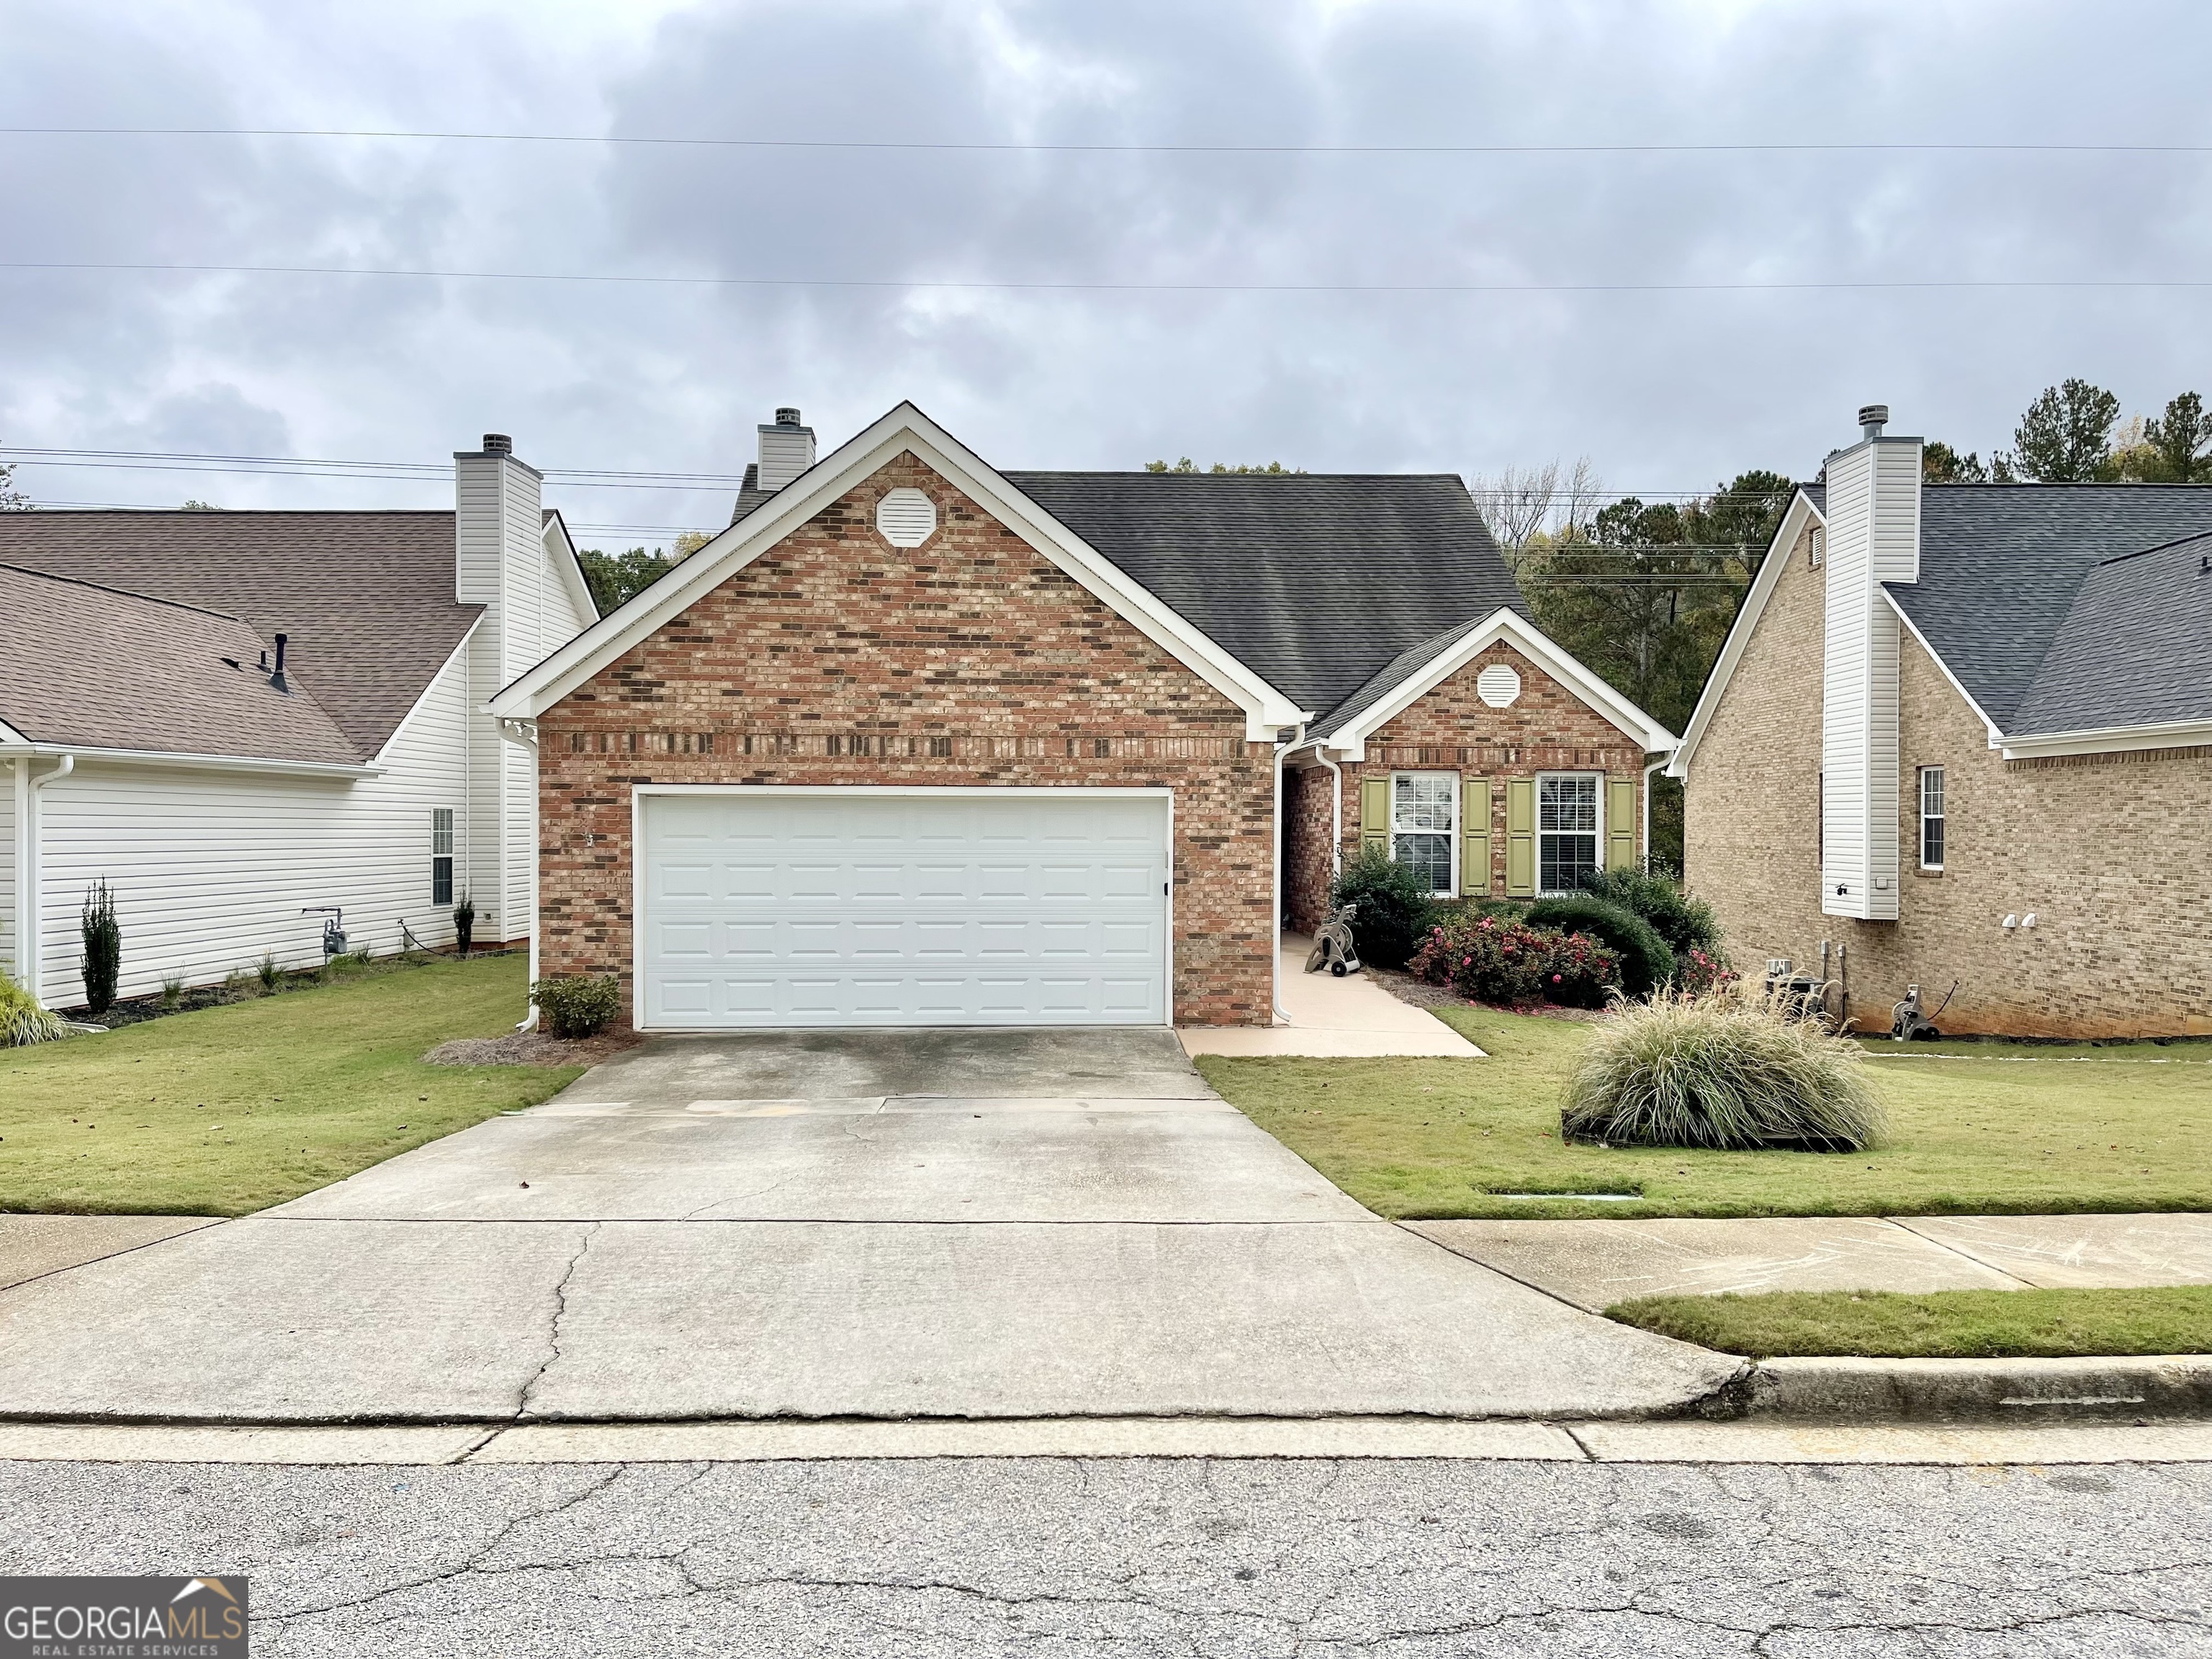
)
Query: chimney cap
[
  {"x": 498, "y": 443},
  {"x": 787, "y": 417},
  {"x": 1871, "y": 418}
]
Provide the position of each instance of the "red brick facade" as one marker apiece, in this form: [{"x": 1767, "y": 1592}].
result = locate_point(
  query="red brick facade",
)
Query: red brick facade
[
  {"x": 835, "y": 657},
  {"x": 1548, "y": 728}
]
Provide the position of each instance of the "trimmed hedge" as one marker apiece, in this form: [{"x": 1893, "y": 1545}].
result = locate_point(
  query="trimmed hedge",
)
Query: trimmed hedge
[
  {"x": 579, "y": 1005},
  {"x": 1687, "y": 924},
  {"x": 1646, "y": 961}
]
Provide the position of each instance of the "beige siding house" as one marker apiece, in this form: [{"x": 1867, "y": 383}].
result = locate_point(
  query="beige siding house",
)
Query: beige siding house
[{"x": 1960, "y": 738}]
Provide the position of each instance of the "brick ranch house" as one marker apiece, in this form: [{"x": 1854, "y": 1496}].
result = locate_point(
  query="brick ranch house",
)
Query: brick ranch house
[
  {"x": 1962, "y": 734},
  {"x": 915, "y": 742}
]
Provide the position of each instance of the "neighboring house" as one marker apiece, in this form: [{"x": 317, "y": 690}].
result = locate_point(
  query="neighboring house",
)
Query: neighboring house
[
  {"x": 232, "y": 718},
  {"x": 1962, "y": 734},
  {"x": 916, "y": 742}
]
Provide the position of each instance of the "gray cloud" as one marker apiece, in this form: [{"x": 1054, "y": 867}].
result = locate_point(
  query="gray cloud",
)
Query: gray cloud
[{"x": 1661, "y": 390}]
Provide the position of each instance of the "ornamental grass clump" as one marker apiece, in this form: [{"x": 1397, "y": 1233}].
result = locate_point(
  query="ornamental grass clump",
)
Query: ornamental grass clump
[
  {"x": 23, "y": 1020},
  {"x": 1724, "y": 1071}
]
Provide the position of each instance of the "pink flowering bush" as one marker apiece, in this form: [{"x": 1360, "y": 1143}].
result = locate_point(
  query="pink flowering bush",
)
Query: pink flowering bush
[
  {"x": 1699, "y": 972},
  {"x": 1501, "y": 959}
]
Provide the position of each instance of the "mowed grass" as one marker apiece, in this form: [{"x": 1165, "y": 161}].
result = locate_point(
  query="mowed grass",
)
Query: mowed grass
[
  {"x": 1985, "y": 1129},
  {"x": 1943, "y": 1325},
  {"x": 233, "y": 1108}
]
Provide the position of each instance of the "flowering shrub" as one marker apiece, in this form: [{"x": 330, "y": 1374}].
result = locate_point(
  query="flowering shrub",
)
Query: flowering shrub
[
  {"x": 1500, "y": 959},
  {"x": 1698, "y": 971}
]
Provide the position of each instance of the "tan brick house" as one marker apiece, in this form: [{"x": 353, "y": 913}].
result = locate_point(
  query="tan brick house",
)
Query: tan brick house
[
  {"x": 1960, "y": 735},
  {"x": 916, "y": 742}
]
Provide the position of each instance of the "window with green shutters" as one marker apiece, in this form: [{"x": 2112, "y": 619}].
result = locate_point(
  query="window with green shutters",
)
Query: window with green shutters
[{"x": 1475, "y": 838}]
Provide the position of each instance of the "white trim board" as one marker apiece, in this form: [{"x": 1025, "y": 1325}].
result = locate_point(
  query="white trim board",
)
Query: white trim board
[
  {"x": 190, "y": 761},
  {"x": 905, "y": 430},
  {"x": 1508, "y": 627},
  {"x": 638, "y": 791}
]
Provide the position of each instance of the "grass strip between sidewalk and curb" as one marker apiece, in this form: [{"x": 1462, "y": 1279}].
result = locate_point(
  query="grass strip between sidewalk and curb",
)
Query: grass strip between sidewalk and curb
[
  {"x": 1986, "y": 1129},
  {"x": 226, "y": 1111},
  {"x": 1938, "y": 1325}
]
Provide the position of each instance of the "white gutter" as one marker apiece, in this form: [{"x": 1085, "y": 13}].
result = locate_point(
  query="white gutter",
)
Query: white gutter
[
  {"x": 28, "y": 929},
  {"x": 192, "y": 762}
]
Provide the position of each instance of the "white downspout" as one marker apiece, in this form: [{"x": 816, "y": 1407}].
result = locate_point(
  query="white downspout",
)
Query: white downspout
[
  {"x": 29, "y": 930},
  {"x": 1275, "y": 892},
  {"x": 1648, "y": 771},
  {"x": 525, "y": 732},
  {"x": 1335, "y": 813}
]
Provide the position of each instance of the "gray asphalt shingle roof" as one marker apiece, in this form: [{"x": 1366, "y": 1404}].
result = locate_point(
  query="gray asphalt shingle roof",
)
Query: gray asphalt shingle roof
[
  {"x": 2023, "y": 594},
  {"x": 1317, "y": 582},
  {"x": 93, "y": 667},
  {"x": 367, "y": 597}
]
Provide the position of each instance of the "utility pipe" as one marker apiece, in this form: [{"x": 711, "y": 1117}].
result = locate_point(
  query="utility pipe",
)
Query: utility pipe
[{"x": 29, "y": 932}]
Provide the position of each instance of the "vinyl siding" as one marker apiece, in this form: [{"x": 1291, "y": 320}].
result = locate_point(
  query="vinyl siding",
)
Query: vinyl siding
[
  {"x": 8, "y": 866},
  {"x": 211, "y": 869}
]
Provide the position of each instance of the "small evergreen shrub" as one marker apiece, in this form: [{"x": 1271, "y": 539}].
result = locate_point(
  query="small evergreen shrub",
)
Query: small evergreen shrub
[
  {"x": 1724, "y": 1071},
  {"x": 579, "y": 1005},
  {"x": 1646, "y": 961},
  {"x": 464, "y": 923},
  {"x": 22, "y": 1021},
  {"x": 102, "y": 961},
  {"x": 1395, "y": 908},
  {"x": 1686, "y": 923},
  {"x": 1502, "y": 959}
]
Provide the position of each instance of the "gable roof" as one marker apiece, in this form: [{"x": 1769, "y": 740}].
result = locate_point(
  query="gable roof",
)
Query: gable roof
[
  {"x": 1318, "y": 581},
  {"x": 2134, "y": 647},
  {"x": 2005, "y": 569},
  {"x": 97, "y": 668},
  {"x": 366, "y": 598}
]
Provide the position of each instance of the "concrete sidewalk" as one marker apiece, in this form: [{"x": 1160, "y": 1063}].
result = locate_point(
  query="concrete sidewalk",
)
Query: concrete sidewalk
[
  {"x": 1329, "y": 1018},
  {"x": 1596, "y": 1263}
]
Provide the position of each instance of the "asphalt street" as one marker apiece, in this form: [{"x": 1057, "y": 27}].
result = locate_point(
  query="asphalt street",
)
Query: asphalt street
[{"x": 1076, "y": 1558}]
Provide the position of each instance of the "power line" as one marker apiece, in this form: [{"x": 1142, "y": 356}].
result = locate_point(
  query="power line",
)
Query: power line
[
  {"x": 979, "y": 147},
  {"x": 1844, "y": 285}
]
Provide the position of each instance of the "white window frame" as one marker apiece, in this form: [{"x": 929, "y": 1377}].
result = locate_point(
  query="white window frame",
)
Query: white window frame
[
  {"x": 1941, "y": 816},
  {"x": 1596, "y": 780},
  {"x": 442, "y": 829},
  {"x": 1451, "y": 836}
]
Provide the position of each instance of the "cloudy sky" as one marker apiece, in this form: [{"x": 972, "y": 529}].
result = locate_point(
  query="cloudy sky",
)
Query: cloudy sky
[{"x": 1139, "y": 321}]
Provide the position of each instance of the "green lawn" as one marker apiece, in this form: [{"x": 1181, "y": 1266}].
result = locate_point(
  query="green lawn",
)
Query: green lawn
[
  {"x": 1944, "y": 1325},
  {"x": 234, "y": 1109},
  {"x": 2004, "y": 1128}
]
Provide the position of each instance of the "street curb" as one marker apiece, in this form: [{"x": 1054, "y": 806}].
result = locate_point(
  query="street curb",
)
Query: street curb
[{"x": 1849, "y": 1390}]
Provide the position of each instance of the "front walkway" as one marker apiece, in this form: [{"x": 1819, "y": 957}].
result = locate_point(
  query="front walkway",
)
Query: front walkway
[{"x": 1352, "y": 1018}]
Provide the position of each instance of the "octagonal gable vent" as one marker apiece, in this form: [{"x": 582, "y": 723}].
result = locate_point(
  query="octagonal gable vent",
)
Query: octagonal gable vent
[
  {"x": 907, "y": 518},
  {"x": 1497, "y": 685}
]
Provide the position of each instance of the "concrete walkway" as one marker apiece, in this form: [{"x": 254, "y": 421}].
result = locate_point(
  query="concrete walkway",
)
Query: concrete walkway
[
  {"x": 1328, "y": 1018},
  {"x": 1594, "y": 1264},
  {"x": 888, "y": 1225}
]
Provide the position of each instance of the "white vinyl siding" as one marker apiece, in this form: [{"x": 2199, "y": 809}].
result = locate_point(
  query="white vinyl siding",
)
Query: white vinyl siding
[
  {"x": 8, "y": 866},
  {"x": 1570, "y": 830},
  {"x": 762, "y": 907},
  {"x": 1425, "y": 827}
]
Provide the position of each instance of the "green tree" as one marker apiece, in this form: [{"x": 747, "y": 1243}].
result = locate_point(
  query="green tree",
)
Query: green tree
[
  {"x": 2181, "y": 442},
  {"x": 12, "y": 500},
  {"x": 1941, "y": 463},
  {"x": 2066, "y": 436},
  {"x": 1272, "y": 469},
  {"x": 616, "y": 579}
]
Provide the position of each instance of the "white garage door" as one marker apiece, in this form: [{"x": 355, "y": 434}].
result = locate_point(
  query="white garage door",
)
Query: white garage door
[{"x": 971, "y": 907}]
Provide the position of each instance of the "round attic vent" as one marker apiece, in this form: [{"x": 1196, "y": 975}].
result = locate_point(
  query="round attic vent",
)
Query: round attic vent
[
  {"x": 1497, "y": 685},
  {"x": 907, "y": 518}
]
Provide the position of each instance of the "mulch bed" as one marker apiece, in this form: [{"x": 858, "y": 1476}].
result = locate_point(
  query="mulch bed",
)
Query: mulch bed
[{"x": 532, "y": 1048}]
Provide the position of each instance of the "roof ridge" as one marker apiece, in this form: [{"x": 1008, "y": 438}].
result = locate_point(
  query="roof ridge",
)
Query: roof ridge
[
  {"x": 127, "y": 593},
  {"x": 218, "y": 514},
  {"x": 2157, "y": 547}
]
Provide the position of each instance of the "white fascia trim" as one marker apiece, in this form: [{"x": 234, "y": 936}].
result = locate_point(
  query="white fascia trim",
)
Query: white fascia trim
[
  {"x": 11, "y": 738},
  {"x": 1350, "y": 739},
  {"x": 904, "y": 429},
  {"x": 1935, "y": 657},
  {"x": 1802, "y": 512},
  {"x": 9, "y": 751},
  {"x": 408, "y": 718},
  {"x": 2106, "y": 740},
  {"x": 565, "y": 562}
]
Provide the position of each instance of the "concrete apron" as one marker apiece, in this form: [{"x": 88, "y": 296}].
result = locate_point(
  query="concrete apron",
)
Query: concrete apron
[{"x": 982, "y": 1225}]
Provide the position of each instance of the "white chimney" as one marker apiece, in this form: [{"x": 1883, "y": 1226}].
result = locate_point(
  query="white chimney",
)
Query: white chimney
[
  {"x": 787, "y": 449},
  {"x": 1872, "y": 509}
]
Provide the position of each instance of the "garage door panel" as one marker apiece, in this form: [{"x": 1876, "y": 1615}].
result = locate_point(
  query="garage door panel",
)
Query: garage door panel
[{"x": 979, "y": 908}]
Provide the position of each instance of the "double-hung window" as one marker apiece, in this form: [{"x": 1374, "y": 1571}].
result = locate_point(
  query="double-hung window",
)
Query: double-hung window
[
  {"x": 441, "y": 855},
  {"x": 1424, "y": 826},
  {"x": 1568, "y": 833},
  {"x": 1931, "y": 817}
]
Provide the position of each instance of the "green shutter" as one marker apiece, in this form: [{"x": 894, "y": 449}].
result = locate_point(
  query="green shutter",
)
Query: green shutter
[
  {"x": 1521, "y": 837},
  {"x": 1620, "y": 823},
  {"x": 1375, "y": 815},
  {"x": 1475, "y": 838}
]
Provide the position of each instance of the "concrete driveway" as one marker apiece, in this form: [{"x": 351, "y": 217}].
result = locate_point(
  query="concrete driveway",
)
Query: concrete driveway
[{"x": 885, "y": 1224}]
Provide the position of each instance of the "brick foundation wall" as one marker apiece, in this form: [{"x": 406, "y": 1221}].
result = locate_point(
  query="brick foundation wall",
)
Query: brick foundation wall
[
  {"x": 2107, "y": 851},
  {"x": 837, "y": 658}
]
